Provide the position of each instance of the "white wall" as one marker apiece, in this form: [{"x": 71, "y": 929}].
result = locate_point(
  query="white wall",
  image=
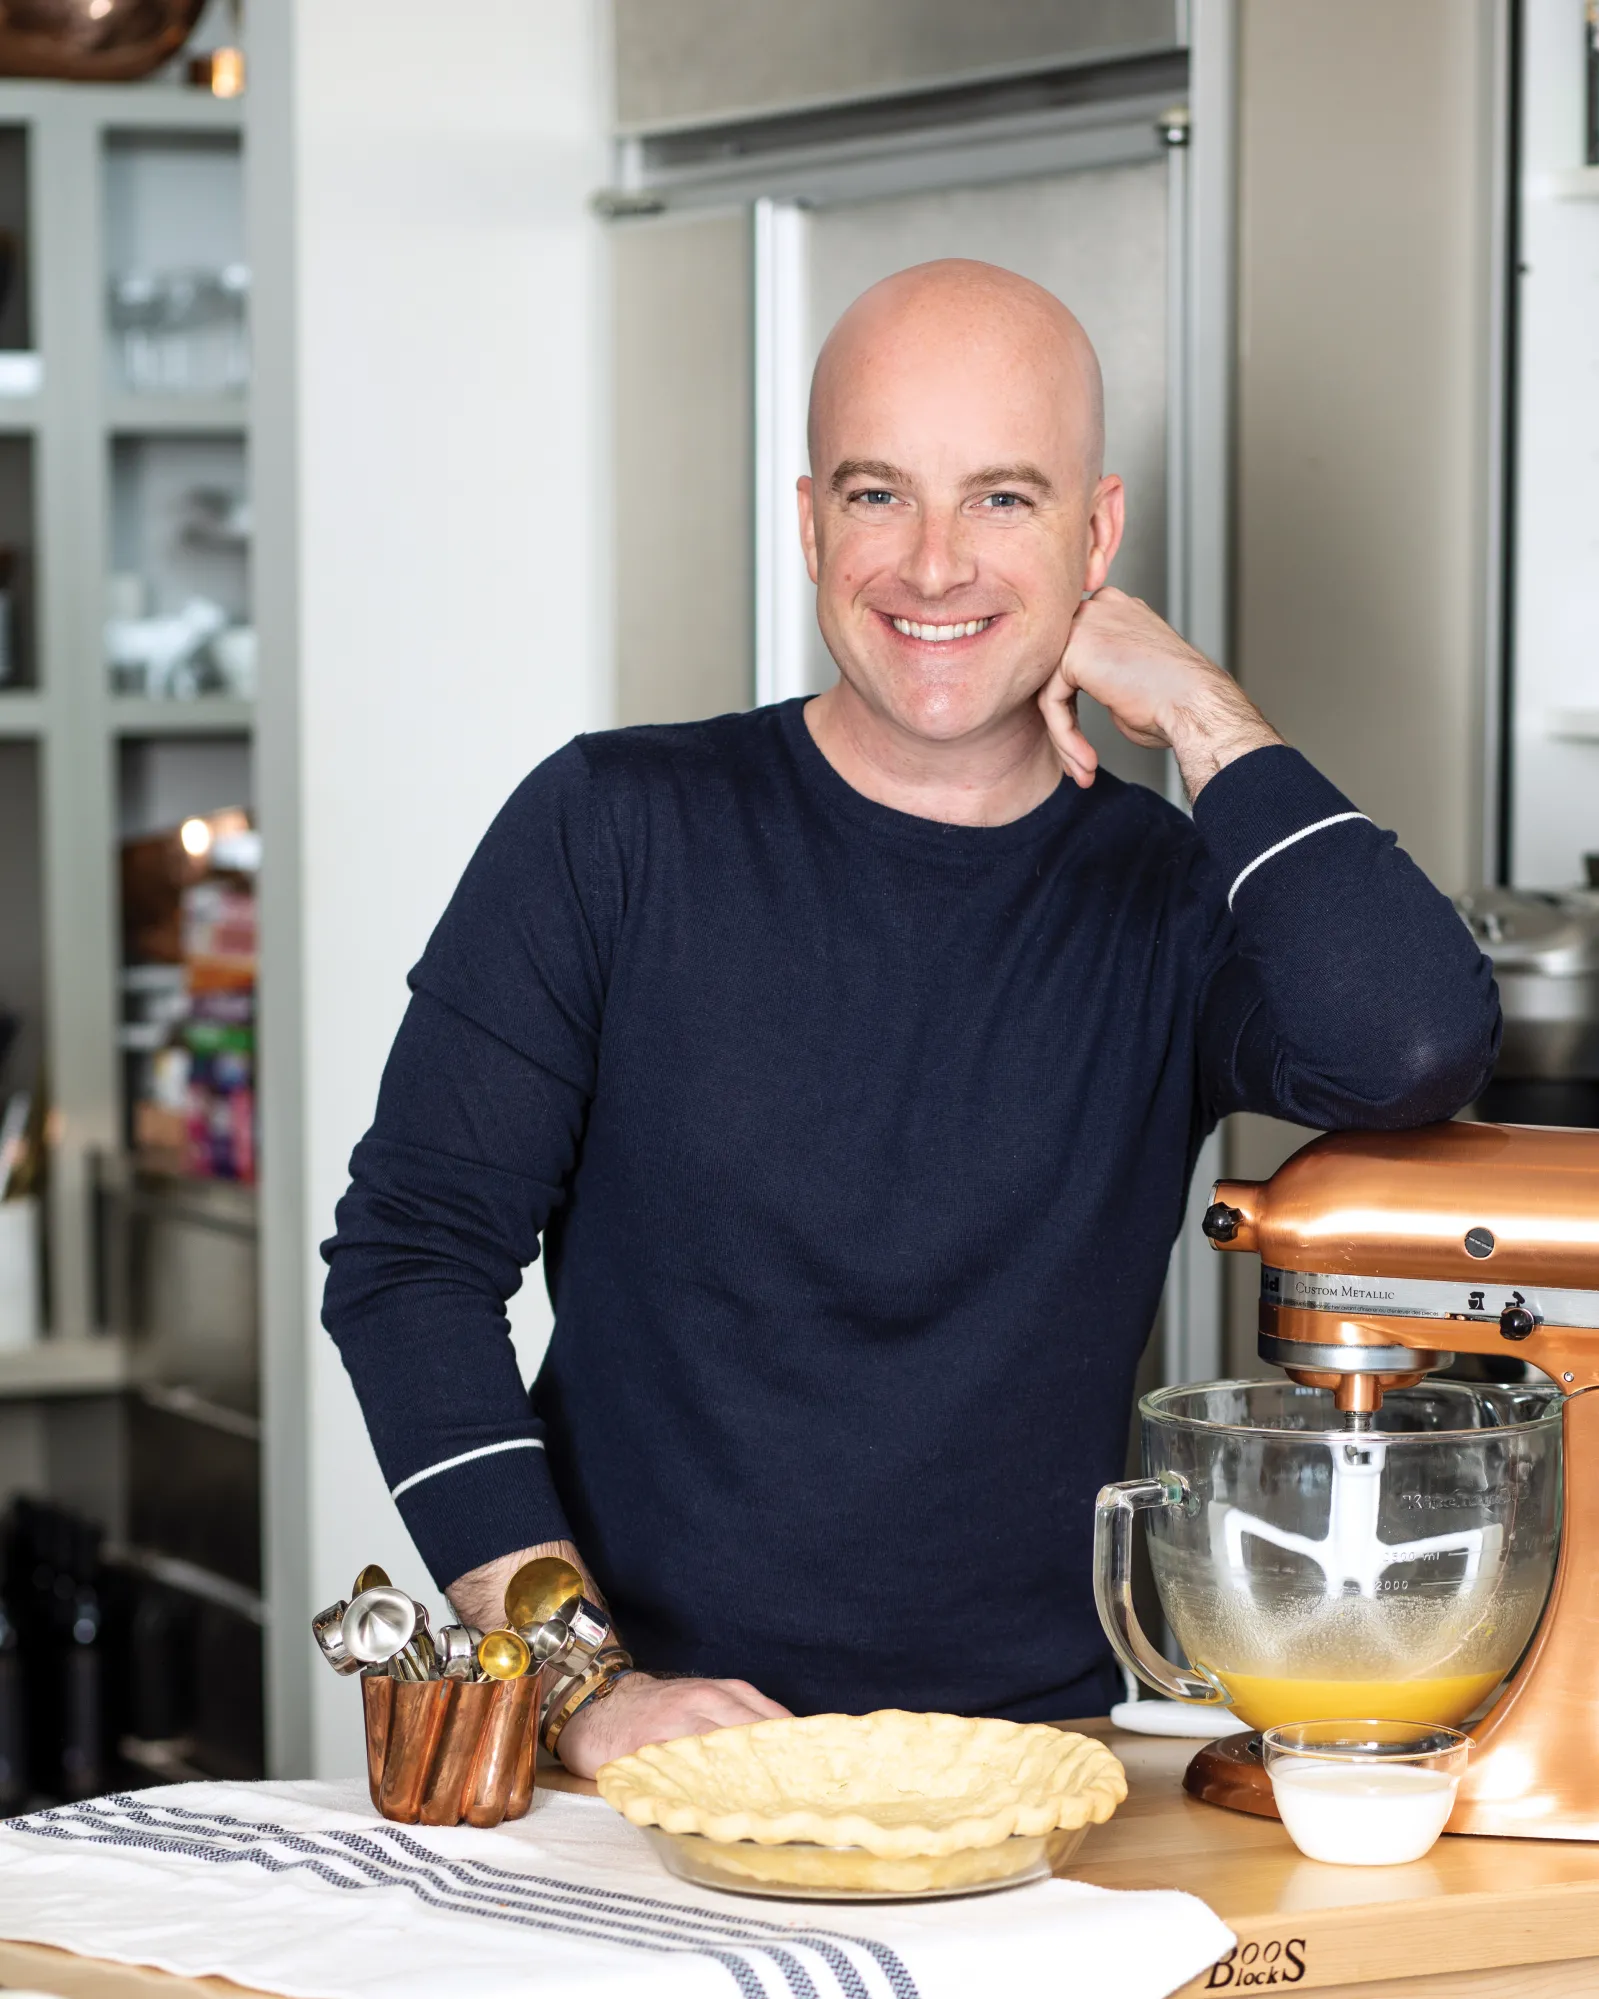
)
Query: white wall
[
  {"x": 434, "y": 593},
  {"x": 1555, "y": 726}
]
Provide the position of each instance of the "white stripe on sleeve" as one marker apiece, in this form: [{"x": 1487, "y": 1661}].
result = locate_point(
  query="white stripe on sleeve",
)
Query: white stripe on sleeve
[
  {"x": 466, "y": 1458},
  {"x": 1293, "y": 840}
]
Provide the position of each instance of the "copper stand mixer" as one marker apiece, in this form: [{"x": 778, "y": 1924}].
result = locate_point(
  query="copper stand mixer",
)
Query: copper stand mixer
[
  {"x": 1435, "y": 1543},
  {"x": 1382, "y": 1255}
]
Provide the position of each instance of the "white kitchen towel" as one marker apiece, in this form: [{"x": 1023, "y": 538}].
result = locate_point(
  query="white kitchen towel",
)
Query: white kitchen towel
[{"x": 302, "y": 1889}]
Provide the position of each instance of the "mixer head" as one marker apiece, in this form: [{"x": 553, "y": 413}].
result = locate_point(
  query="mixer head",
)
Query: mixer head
[{"x": 1383, "y": 1254}]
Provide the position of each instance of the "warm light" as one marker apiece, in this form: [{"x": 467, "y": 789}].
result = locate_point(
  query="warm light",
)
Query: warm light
[
  {"x": 98, "y": 9},
  {"x": 227, "y": 72},
  {"x": 196, "y": 837}
]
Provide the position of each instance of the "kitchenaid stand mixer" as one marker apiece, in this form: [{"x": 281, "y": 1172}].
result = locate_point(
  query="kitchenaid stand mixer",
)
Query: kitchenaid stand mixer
[{"x": 1383, "y": 1255}]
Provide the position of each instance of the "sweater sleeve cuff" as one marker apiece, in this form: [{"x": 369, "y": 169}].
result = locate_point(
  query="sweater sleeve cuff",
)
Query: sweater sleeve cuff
[
  {"x": 474, "y": 1507},
  {"x": 1262, "y": 804}
]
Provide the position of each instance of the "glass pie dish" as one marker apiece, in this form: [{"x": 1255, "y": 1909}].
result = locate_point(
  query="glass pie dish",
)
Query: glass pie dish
[
  {"x": 800, "y": 1871},
  {"x": 883, "y": 1806}
]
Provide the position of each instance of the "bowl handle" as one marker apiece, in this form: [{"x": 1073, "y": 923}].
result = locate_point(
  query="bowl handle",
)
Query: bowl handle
[{"x": 1113, "y": 1587}]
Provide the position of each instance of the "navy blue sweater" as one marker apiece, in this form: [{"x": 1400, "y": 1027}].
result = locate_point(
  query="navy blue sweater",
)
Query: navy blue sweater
[{"x": 857, "y": 1143}]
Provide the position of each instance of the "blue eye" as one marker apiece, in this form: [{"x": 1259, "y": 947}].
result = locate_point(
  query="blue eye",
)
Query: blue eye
[
  {"x": 1006, "y": 500},
  {"x": 875, "y": 496}
]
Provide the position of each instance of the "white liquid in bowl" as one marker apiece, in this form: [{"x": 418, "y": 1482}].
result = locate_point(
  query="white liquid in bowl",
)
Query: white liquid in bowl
[{"x": 1362, "y": 1814}]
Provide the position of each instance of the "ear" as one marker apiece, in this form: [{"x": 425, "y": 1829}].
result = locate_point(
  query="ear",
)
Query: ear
[
  {"x": 1105, "y": 523},
  {"x": 805, "y": 492}
]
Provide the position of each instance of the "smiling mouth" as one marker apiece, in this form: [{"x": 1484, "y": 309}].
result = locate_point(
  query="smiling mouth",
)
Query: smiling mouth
[{"x": 939, "y": 634}]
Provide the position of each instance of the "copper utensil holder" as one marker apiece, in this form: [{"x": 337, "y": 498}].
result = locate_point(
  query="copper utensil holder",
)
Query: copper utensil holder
[{"x": 440, "y": 1751}]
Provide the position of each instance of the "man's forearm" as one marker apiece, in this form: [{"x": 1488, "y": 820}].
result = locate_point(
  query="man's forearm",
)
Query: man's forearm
[{"x": 478, "y": 1597}]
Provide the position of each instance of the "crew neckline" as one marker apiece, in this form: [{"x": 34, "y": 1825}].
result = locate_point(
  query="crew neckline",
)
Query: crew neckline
[{"x": 936, "y": 836}]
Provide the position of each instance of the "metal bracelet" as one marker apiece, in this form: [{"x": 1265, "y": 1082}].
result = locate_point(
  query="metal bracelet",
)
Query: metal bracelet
[
  {"x": 569, "y": 1673},
  {"x": 572, "y": 1695},
  {"x": 591, "y": 1691},
  {"x": 557, "y": 1692}
]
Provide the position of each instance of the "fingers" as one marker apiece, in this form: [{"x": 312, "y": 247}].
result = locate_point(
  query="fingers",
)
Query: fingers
[
  {"x": 1057, "y": 702},
  {"x": 759, "y": 1703},
  {"x": 711, "y": 1710},
  {"x": 644, "y": 1710},
  {"x": 768, "y": 1710},
  {"x": 1133, "y": 664},
  {"x": 720, "y": 1706}
]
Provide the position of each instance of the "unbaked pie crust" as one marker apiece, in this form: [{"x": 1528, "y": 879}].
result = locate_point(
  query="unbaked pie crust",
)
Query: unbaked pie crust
[{"x": 892, "y": 1784}]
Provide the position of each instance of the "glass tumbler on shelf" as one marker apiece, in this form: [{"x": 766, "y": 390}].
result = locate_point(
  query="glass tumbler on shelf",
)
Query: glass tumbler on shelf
[
  {"x": 1313, "y": 1572},
  {"x": 182, "y": 332},
  {"x": 136, "y": 310}
]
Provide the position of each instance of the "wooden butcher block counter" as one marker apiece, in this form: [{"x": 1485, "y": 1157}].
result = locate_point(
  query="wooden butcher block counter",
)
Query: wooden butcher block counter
[{"x": 1477, "y": 1919}]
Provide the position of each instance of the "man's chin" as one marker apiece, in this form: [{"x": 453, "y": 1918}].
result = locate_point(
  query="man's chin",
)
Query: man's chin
[{"x": 951, "y": 713}]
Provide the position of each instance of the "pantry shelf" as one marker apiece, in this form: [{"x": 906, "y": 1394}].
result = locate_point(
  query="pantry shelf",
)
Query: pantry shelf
[
  {"x": 92, "y": 1366},
  {"x": 205, "y": 715}
]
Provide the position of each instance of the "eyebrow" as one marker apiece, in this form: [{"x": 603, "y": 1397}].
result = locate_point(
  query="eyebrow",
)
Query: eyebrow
[
  {"x": 1021, "y": 474},
  {"x": 867, "y": 468}
]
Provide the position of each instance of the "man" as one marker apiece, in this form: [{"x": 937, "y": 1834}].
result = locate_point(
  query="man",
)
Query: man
[{"x": 853, "y": 1065}]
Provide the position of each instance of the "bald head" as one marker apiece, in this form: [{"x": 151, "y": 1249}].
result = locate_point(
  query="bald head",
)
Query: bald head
[
  {"x": 962, "y": 319},
  {"x": 955, "y": 511}
]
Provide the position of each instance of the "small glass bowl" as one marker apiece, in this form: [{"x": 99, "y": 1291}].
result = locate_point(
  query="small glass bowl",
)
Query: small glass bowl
[{"x": 1364, "y": 1793}]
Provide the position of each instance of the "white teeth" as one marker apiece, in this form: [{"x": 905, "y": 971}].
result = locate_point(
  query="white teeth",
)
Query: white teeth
[{"x": 937, "y": 633}]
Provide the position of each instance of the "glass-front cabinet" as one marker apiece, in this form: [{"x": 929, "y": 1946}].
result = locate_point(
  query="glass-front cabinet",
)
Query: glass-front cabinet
[{"x": 129, "y": 859}]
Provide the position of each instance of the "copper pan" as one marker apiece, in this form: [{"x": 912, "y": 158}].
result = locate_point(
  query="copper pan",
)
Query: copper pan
[{"x": 112, "y": 43}]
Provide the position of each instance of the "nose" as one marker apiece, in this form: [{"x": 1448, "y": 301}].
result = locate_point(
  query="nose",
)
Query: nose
[{"x": 939, "y": 558}]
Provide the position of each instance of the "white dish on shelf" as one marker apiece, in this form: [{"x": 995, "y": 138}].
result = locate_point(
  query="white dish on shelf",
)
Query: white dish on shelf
[{"x": 19, "y": 1274}]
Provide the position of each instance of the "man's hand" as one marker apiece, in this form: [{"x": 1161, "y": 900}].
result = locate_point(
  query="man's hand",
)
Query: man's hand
[
  {"x": 643, "y": 1710},
  {"x": 1157, "y": 689}
]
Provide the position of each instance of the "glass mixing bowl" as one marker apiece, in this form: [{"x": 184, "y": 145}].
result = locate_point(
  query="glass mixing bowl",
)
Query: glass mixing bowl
[{"x": 1317, "y": 1573}]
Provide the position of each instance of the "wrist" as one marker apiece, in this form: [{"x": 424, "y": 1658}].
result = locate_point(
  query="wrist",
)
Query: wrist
[
  {"x": 1214, "y": 726},
  {"x": 569, "y": 1732},
  {"x": 479, "y": 1596}
]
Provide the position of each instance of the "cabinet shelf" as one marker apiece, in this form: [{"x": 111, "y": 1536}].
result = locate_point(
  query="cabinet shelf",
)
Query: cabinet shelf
[
  {"x": 206, "y": 715},
  {"x": 22, "y": 714},
  {"x": 174, "y": 416},
  {"x": 1576, "y": 184},
  {"x": 20, "y": 416},
  {"x": 96, "y": 1366},
  {"x": 122, "y": 107}
]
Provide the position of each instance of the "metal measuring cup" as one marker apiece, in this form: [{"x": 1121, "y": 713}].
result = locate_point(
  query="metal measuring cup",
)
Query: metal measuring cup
[{"x": 385, "y": 1627}]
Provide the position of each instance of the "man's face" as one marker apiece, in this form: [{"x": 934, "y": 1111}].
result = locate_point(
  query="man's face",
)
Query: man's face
[{"x": 953, "y": 520}]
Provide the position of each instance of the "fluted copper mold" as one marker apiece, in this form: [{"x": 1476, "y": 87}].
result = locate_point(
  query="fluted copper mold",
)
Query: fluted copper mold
[{"x": 440, "y": 1751}]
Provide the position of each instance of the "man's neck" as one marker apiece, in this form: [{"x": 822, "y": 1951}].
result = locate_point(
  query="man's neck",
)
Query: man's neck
[{"x": 978, "y": 781}]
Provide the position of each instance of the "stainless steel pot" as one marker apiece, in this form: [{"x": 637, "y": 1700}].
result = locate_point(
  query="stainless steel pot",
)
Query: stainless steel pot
[{"x": 1545, "y": 951}]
